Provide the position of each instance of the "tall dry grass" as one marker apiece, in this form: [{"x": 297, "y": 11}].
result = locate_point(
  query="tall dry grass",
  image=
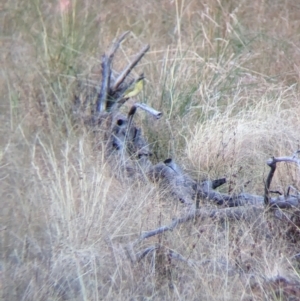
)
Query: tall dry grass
[{"x": 225, "y": 74}]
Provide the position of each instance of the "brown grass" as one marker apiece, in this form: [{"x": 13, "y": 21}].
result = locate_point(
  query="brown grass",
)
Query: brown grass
[{"x": 226, "y": 76}]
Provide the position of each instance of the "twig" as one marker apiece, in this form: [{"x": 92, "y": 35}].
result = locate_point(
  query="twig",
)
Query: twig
[
  {"x": 229, "y": 213},
  {"x": 116, "y": 44},
  {"x": 291, "y": 188},
  {"x": 133, "y": 111},
  {"x": 140, "y": 255},
  {"x": 128, "y": 69},
  {"x": 284, "y": 159}
]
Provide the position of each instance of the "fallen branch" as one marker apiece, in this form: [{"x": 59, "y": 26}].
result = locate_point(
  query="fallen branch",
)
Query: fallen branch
[
  {"x": 282, "y": 201},
  {"x": 106, "y": 74},
  {"x": 239, "y": 213},
  {"x": 146, "y": 108},
  {"x": 189, "y": 191}
]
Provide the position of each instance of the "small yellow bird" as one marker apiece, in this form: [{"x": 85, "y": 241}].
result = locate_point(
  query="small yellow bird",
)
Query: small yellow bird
[{"x": 135, "y": 88}]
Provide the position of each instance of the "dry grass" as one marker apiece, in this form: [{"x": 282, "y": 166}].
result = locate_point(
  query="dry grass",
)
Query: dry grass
[{"x": 226, "y": 76}]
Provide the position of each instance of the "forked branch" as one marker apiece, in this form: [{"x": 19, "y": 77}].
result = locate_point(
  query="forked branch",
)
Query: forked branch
[
  {"x": 129, "y": 67},
  {"x": 106, "y": 73},
  {"x": 107, "y": 90},
  {"x": 283, "y": 201}
]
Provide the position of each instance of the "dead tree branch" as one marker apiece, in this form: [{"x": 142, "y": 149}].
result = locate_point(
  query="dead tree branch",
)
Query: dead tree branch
[
  {"x": 129, "y": 67},
  {"x": 282, "y": 201},
  {"x": 146, "y": 108},
  {"x": 106, "y": 73},
  {"x": 239, "y": 213},
  {"x": 189, "y": 191}
]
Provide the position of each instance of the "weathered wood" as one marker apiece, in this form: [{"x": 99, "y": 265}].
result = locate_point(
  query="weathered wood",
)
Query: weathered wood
[
  {"x": 106, "y": 74},
  {"x": 282, "y": 201},
  {"x": 129, "y": 68},
  {"x": 127, "y": 149},
  {"x": 146, "y": 108},
  {"x": 189, "y": 191},
  {"x": 272, "y": 165},
  {"x": 170, "y": 177},
  {"x": 238, "y": 213},
  {"x": 116, "y": 44}
]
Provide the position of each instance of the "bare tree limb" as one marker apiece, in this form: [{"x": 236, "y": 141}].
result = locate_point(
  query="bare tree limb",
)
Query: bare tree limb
[
  {"x": 116, "y": 44},
  {"x": 175, "y": 167},
  {"x": 140, "y": 255},
  {"x": 148, "y": 109},
  {"x": 280, "y": 202},
  {"x": 143, "y": 107},
  {"x": 130, "y": 66},
  {"x": 292, "y": 188},
  {"x": 272, "y": 165},
  {"x": 190, "y": 191},
  {"x": 106, "y": 73},
  {"x": 238, "y": 213},
  {"x": 283, "y": 202},
  {"x": 284, "y": 159}
]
